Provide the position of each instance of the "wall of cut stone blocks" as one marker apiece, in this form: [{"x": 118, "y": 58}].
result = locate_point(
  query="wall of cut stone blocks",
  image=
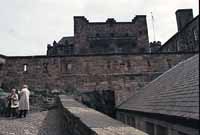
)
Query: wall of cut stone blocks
[
  {"x": 124, "y": 74},
  {"x": 107, "y": 37}
]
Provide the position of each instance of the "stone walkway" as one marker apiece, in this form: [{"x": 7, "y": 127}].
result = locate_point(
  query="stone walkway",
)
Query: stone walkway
[{"x": 40, "y": 123}]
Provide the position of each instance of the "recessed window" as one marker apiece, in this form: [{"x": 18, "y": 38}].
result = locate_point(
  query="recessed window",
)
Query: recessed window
[
  {"x": 45, "y": 67},
  {"x": 128, "y": 64},
  {"x": 181, "y": 133},
  {"x": 150, "y": 128},
  {"x": 25, "y": 67},
  {"x": 1, "y": 66},
  {"x": 161, "y": 130},
  {"x": 148, "y": 63},
  {"x": 195, "y": 34},
  {"x": 169, "y": 63},
  {"x": 112, "y": 34},
  {"x": 97, "y": 35}
]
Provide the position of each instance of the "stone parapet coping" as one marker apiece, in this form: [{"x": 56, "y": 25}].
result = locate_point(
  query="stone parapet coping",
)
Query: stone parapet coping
[{"x": 97, "y": 123}]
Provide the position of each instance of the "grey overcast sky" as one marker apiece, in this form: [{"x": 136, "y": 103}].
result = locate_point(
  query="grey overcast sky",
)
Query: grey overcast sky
[{"x": 27, "y": 26}]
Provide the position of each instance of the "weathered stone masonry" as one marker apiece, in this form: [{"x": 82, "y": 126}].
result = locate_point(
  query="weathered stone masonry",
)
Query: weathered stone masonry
[
  {"x": 123, "y": 74},
  {"x": 104, "y": 37}
]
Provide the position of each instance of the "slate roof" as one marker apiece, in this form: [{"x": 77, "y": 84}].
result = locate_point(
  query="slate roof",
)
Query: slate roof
[
  {"x": 174, "y": 93},
  {"x": 69, "y": 39}
]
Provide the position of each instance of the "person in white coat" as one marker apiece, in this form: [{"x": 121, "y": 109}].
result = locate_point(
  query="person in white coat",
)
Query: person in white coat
[{"x": 24, "y": 101}]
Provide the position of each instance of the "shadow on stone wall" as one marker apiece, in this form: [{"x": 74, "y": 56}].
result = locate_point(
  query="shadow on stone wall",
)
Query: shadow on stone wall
[
  {"x": 102, "y": 101},
  {"x": 53, "y": 124}
]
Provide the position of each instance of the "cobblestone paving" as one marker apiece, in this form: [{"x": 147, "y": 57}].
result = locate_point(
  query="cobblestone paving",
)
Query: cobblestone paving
[{"x": 40, "y": 123}]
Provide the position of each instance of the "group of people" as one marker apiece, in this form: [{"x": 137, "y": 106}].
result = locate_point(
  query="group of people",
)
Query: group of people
[{"x": 18, "y": 102}]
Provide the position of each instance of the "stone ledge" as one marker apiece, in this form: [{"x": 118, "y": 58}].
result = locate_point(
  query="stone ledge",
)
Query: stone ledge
[{"x": 81, "y": 120}]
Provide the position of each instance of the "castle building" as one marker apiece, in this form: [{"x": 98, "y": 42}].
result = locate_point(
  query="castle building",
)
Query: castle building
[
  {"x": 149, "y": 90},
  {"x": 104, "y": 37},
  {"x": 187, "y": 37},
  {"x": 113, "y": 37}
]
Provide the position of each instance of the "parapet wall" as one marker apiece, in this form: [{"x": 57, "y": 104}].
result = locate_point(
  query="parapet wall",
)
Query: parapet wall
[{"x": 80, "y": 120}]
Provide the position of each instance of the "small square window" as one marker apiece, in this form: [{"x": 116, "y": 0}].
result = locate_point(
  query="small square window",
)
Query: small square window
[
  {"x": 161, "y": 130},
  {"x": 112, "y": 34}
]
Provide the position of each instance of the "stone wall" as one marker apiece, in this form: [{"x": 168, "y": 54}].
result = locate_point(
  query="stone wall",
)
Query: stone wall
[
  {"x": 157, "y": 125},
  {"x": 80, "y": 120},
  {"x": 123, "y": 74},
  {"x": 102, "y": 101},
  {"x": 186, "y": 40},
  {"x": 110, "y": 36}
]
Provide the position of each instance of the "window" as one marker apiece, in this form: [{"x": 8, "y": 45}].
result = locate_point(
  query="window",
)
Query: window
[
  {"x": 97, "y": 35},
  {"x": 45, "y": 67},
  {"x": 1, "y": 66},
  {"x": 181, "y": 133},
  {"x": 25, "y": 67},
  {"x": 68, "y": 67},
  {"x": 150, "y": 128},
  {"x": 161, "y": 130},
  {"x": 169, "y": 63},
  {"x": 112, "y": 34},
  {"x": 132, "y": 121},
  {"x": 148, "y": 63},
  {"x": 195, "y": 34},
  {"x": 128, "y": 64}
]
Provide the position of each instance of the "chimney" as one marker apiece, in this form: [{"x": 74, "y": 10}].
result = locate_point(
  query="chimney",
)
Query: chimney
[{"x": 183, "y": 16}]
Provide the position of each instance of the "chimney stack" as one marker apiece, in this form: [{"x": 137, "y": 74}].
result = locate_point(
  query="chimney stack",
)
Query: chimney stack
[{"x": 183, "y": 16}]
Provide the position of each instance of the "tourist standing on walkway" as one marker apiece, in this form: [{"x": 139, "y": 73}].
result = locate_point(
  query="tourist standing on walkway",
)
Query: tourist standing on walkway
[
  {"x": 24, "y": 101},
  {"x": 14, "y": 102}
]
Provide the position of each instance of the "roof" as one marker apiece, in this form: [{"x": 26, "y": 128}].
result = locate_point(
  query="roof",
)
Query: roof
[
  {"x": 177, "y": 33},
  {"x": 174, "y": 93},
  {"x": 64, "y": 39}
]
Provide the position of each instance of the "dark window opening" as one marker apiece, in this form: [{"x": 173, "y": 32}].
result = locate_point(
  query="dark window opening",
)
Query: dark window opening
[
  {"x": 181, "y": 133},
  {"x": 131, "y": 77},
  {"x": 140, "y": 32},
  {"x": 150, "y": 128},
  {"x": 1, "y": 66},
  {"x": 45, "y": 67},
  {"x": 108, "y": 65},
  {"x": 112, "y": 34},
  {"x": 169, "y": 63},
  {"x": 161, "y": 130},
  {"x": 148, "y": 63},
  {"x": 141, "y": 50},
  {"x": 128, "y": 64},
  {"x": 97, "y": 35}
]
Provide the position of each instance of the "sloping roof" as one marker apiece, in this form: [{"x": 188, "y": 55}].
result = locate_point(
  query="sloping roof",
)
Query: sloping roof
[
  {"x": 174, "y": 93},
  {"x": 69, "y": 39}
]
